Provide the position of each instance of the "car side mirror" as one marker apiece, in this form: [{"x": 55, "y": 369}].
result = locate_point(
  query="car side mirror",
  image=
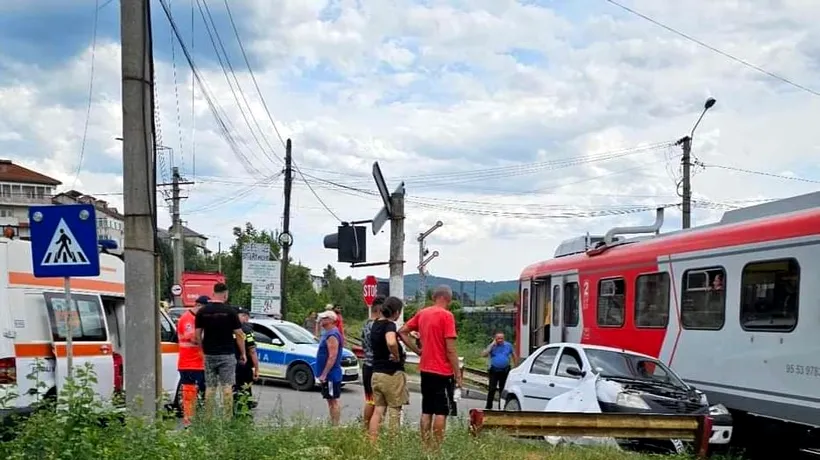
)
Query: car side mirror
[
  {"x": 278, "y": 342},
  {"x": 575, "y": 372}
]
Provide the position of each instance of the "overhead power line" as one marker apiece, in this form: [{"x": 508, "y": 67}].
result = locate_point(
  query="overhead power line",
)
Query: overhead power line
[
  {"x": 763, "y": 173},
  {"x": 90, "y": 91},
  {"x": 716, "y": 50}
]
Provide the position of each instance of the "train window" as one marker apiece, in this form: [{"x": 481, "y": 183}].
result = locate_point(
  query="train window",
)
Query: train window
[
  {"x": 769, "y": 295},
  {"x": 611, "y": 298},
  {"x": 556, "y": 302},
  {"x": 652, "y": 300},
  {"x": 525, "y": 306},
  {"x": 572, "y": 316},
  {"x": 703, "y": 301}
]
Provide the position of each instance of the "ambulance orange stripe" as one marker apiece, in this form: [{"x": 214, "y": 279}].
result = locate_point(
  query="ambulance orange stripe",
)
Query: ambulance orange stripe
[
  {"x": 28, "y": 279},
  {"x": 45, "y": 350}
]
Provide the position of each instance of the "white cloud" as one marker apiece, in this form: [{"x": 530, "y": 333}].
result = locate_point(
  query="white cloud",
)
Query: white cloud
[{"x": 434, "y": 92}]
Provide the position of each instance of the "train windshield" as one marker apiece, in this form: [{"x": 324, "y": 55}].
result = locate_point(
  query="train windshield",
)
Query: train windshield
[{"x": 617, "y": 365}]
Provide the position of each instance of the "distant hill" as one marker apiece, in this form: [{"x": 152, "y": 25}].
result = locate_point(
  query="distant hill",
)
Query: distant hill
[{"x": 481, "y": 290}]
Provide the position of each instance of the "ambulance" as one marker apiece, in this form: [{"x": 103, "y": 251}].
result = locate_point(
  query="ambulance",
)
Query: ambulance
[{"x": 33, "y": 316}]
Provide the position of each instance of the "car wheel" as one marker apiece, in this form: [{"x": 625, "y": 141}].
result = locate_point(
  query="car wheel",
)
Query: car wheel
[
  {"x": 512, "y": 405},
  {"x": 301, "y": 377}
]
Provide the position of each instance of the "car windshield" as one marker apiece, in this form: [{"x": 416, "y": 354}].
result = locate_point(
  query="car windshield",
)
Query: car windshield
[
  {"x": 295, "y": 334},
  {"x": 615, "y": 365}
]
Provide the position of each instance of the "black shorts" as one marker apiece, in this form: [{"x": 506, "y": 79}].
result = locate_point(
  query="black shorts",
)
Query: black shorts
[
  {"x": 332, "y": 389},
  {"x": 193, "y": 378},
  {"x": 437, "y": 394},
  {"x": 367, "y": 382}
]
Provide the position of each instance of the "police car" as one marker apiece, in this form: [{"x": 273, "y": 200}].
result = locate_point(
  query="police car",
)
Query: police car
[{"x": 287, "y": 352}]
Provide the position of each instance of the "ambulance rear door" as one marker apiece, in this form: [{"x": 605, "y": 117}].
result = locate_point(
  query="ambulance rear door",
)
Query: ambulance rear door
[{"x": 91, "y": 342}]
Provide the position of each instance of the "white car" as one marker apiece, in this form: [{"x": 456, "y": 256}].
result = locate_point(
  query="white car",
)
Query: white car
[
  {"x": 634, "y": 382},
  {"x": 287, "y": 352}
]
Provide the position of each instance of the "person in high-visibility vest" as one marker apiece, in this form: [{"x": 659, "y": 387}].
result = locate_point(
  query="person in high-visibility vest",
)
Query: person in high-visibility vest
[{"x": 191, "y": 362}]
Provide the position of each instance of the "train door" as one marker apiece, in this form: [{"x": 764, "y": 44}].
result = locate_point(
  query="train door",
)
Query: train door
[
  {"x": 524, "y": 318},
  {"x": 540, "y": 313},
  {"x": 566, "y": 312}
]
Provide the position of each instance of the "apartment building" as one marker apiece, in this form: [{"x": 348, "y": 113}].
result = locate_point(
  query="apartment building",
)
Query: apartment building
[
  {"x": 110, "y": 222},
  {"x": 199, "y": 240},
  {"x": 21, "y": 188}
]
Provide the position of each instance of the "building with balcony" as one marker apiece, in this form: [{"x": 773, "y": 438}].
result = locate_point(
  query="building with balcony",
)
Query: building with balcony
[
  {"x": 110, "y": 222},
  {"x": 21, "y": 188}
]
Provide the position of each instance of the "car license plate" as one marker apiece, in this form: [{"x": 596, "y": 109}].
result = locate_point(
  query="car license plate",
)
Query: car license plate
[{"x": 351, "y": 371}]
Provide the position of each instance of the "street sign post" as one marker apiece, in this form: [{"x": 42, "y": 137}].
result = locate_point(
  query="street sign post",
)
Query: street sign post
[
  {"x": 63, "y": 245},
  {"x": 369, "y": 287}
]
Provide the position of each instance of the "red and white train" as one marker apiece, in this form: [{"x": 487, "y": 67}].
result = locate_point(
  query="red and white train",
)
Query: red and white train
[{"x": 734, "y": 307}]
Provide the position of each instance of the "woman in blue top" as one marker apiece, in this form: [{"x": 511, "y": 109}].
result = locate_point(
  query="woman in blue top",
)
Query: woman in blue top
[
  {"x": 500, "y": 353},
  {"x": 329, "y": 363}
]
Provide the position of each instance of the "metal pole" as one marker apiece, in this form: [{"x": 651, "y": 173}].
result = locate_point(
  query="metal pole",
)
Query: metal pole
[
  {"x": 397, "y": 249},
  {"x": 422, "y": 277},
  {"x": 69, "y": 328},
  {"x": 139, "y": 199},
  {"x": 286, "y": 229},
  {"x": 219, "y": 256},
  {"x": 177, "y": 239},
  {"x": 686, "y": 205}
]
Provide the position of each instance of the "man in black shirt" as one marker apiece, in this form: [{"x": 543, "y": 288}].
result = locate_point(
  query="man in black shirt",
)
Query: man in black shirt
[
  {"x": 248, "y": 372},
  {"x": 219, "y": 332},
  {"x": 389, "y": 380}
]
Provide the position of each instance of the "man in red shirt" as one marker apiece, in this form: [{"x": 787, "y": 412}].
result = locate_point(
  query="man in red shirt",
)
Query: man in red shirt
[
  {"x": 191, "y": 361},
  {"x": 438, "y": 363}
]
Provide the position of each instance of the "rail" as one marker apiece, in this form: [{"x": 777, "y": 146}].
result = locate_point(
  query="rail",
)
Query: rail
[
  {"x": 696, "y": 428},
  {"x": 412, "y": 358}
]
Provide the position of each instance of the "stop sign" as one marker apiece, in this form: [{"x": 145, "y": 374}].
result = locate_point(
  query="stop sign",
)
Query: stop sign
[{"x": 369, "y": 289}]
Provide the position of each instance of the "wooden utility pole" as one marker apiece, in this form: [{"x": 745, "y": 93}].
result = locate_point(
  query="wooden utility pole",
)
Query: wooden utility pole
[
  {"x": 286, "y": 228},
  {"x": 139, "y": 198}
]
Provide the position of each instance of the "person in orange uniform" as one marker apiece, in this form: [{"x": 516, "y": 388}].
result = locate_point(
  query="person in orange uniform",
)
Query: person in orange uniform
[{"x": 191, "y": 363}]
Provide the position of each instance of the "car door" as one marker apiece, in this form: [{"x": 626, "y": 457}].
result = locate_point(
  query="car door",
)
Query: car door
[
  {"x": 270, "y": 350},
  {"x": 560, "y": 380},
  {"x": 170, "y": 354},
  {"x": 91, "y": 345},
  {"x": 535, "y": 383}
]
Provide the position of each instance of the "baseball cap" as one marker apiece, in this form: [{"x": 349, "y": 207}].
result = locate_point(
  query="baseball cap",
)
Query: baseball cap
[
  {"x": 327, "y": 314},
  {"x": 243, "y": 311},
  {"x": 203, "y": 299}
]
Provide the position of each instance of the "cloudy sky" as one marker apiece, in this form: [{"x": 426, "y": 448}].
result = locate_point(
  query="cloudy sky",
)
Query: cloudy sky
[{"x": 517, "y": 123}]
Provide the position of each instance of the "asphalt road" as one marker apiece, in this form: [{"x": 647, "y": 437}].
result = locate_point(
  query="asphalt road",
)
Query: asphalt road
[{"x": 280, "y": 401}]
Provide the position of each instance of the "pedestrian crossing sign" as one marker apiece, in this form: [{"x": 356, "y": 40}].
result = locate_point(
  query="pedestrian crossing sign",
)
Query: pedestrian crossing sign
[{"x": 64, "y": 241}]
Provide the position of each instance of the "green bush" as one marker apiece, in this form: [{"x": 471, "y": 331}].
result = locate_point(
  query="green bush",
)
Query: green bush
[{"x": 78, "y": 427}]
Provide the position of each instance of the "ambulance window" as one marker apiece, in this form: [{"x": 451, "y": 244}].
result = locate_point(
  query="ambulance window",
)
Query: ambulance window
[
  {"x": 652, "y": 300},
  {"x": 572, "y": 314},
  {"x": 703, "y": 300},
  {"x": 769, "y": 293},
  {"x": 86, "y": 313},
  {"x": 611, "y": 302}
]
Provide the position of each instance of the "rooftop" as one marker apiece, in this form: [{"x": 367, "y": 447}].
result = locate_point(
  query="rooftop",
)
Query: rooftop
[{"x": 10, "y": 172}]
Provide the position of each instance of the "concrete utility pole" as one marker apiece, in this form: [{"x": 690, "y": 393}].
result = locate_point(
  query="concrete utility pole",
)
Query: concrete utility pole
[
  {"x": 397, "y": 248},
  {"x": 139, "y": 197},
  {"x": 686, "y": 143},
  {"x": 286, "y": 229},
  {"x": 177, "y": 237},
  {"x": 423, "y": 263}
]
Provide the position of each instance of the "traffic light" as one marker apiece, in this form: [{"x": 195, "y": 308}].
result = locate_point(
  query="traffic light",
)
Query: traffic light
[
  {"x": 383, "y": 288},
  {"x": 350, "y": 243}
]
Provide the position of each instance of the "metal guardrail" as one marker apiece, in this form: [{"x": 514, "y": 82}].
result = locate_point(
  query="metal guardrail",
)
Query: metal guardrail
[{"x": 697, "y": 428}]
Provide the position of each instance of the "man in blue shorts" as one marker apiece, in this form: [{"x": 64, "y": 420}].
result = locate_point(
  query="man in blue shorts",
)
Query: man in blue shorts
[{"x": 329, "y": 363}]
